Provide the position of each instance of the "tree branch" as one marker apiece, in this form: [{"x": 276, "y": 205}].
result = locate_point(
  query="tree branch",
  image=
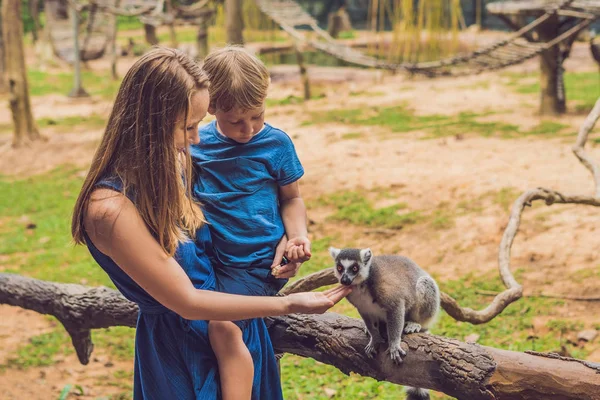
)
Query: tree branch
[
  {"x": 585, "y": 159},
  {"x": 462, "y": 370},
  {"x": 513, "y": 291}
]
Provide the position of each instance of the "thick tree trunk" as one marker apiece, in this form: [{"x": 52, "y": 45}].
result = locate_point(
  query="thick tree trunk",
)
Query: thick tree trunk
[
  {"x": 150, "y": 34},
  {"x": 552, "y": 94},
  {"x": 465, "y": 371},
  {"x": 16, "y": 73},
  {"x": 234, "y": 21},
  {"x": 2, "y": 62}
]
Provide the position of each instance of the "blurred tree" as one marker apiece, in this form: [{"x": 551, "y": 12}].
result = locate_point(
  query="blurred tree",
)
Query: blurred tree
[
  {"x": 234, "y": 21},
  {"x": 2, "y": 62},
  {"x": 25, "y": 128},
  {"x": 150, "y": 34}
]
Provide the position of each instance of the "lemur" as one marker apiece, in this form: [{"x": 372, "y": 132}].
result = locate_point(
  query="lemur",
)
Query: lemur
[{"x": 390, "y": 290}]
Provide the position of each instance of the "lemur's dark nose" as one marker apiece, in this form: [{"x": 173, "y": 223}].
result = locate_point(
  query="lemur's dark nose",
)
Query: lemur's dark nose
[{"x": 345, "y": 280}]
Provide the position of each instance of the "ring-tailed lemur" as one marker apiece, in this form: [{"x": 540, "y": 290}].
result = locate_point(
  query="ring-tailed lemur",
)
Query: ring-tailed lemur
[{"x": 392, "y": 290}]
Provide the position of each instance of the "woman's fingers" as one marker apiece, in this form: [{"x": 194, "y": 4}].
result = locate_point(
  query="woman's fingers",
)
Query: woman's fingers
[
  {"x": 338, "y": 295},
  {"x": 334, "y": 289}
]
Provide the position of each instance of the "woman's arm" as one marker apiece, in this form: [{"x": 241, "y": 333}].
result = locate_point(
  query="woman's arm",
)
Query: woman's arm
[{"x": 117, "y": 229}]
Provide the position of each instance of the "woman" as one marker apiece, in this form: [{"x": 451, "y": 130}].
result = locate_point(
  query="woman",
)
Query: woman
[{"x": 140, "y": 224}]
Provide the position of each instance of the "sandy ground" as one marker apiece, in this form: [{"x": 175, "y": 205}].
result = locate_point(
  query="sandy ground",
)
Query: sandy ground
[{"x": 553, "y": 246}]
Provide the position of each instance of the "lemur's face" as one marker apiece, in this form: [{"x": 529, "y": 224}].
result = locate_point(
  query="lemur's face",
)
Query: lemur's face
[{"x": 352, "y": 266}]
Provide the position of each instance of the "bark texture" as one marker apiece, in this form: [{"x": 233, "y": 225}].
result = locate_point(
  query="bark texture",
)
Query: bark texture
[
  {"x": 234, "y": 21},
  {"x": 462, "y": 370},
  {"x": 25, "y": 128}
]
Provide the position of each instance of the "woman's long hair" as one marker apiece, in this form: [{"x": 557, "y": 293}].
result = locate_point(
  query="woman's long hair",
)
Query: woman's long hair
[{"x": 138, "y": 147}]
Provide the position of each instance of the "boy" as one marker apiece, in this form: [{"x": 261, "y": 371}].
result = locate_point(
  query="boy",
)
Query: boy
[{"x": 247, "y": 183}]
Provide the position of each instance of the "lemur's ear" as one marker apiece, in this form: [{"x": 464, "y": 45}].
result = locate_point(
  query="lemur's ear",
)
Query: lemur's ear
[
  {"x": 365, "y": 256},
  {"x": 334, "y": 252}
]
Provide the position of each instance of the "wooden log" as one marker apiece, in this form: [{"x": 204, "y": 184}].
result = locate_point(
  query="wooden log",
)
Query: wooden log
[
  {"x": 463, "y": 370},
  {"x": 552, "y": 95},
  {"x": 303, "y": 72}
]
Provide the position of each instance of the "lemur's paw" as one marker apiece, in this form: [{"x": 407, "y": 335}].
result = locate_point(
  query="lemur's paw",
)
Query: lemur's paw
[
  {"x": 371, "y": 349},
  {"x": 396, "y": 353},
  {"x": 412, "y": 327}
]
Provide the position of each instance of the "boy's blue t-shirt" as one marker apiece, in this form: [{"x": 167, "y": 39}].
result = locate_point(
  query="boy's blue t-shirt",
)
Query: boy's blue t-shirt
[{"x": 238, "y": 186}]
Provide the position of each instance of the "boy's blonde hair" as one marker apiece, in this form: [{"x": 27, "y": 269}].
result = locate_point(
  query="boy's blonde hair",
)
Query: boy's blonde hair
[{"x": 237, "y": 79}]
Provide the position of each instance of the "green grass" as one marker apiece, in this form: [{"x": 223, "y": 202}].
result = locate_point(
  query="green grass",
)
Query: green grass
[
  {"x": 95, "y": 83},
  {"x": 347, "y": 35},
  {"x": 357, "y": 208},
  {"x": 66, "y": 124},
  {"x": 291, "y": 99},
  {"x": 442, "y": 219},
  {"x": 400, "y": 119},
  {"x": 587, "y": 273},
  {"x": 352, "y": 135},
  {"x": 40, "y": 351},
  {"x": 354, "y": 208},
  {"x": 582, "y": 88},
  {"x": 512, "y": 329},
  {"x": 187, "y": 34},
  {"x": 505, "y": 198},
  {"x": 126, "y": 23},
  {"x": 45, "y": 252}
]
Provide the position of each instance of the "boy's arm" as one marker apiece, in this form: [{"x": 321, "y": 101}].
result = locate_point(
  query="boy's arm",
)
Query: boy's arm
[{"x": 293, "y": 214}]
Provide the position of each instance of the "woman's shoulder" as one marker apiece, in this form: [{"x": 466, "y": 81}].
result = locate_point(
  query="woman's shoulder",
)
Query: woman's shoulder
[{"x": 105, "y": 206}]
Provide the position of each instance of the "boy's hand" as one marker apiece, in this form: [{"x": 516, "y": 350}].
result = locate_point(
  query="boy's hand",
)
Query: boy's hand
[
  {"x": 287, "y": 270},
  {"x": 282, "y": 268},
  {"x": 298, "y": 249}
]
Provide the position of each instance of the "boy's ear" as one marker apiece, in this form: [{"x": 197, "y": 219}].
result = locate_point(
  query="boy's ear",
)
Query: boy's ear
[{"x": 212, "y": 110}]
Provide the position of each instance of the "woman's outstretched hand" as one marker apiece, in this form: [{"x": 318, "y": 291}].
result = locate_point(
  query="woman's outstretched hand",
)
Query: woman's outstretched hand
[{"x": 316, "y": 302}]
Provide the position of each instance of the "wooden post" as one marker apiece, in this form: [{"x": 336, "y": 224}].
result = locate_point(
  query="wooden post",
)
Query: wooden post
[
  {"x": 334, "y": 24},
  {"x": 113, "y": 43},
  {"x": 202, "y": 37},
  {"x": 303, "y": 73},
  {"x": 234, "y": 22},
  {"x": 16, "y": 74},
  {"x": 150, "y": 34},
  {"x": 34, "y": 11},
  {"x": 78, "y": 90},
  {"x": 172, "y": 31},
  {"x": 552, "y": 99}
]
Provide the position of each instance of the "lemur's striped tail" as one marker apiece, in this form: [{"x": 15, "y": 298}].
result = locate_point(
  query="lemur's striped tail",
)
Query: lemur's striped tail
[{"x": 413, "y": 393}]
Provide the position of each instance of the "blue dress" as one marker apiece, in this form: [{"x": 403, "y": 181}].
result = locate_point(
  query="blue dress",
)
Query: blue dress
[{"x": 173, "y": 356}]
